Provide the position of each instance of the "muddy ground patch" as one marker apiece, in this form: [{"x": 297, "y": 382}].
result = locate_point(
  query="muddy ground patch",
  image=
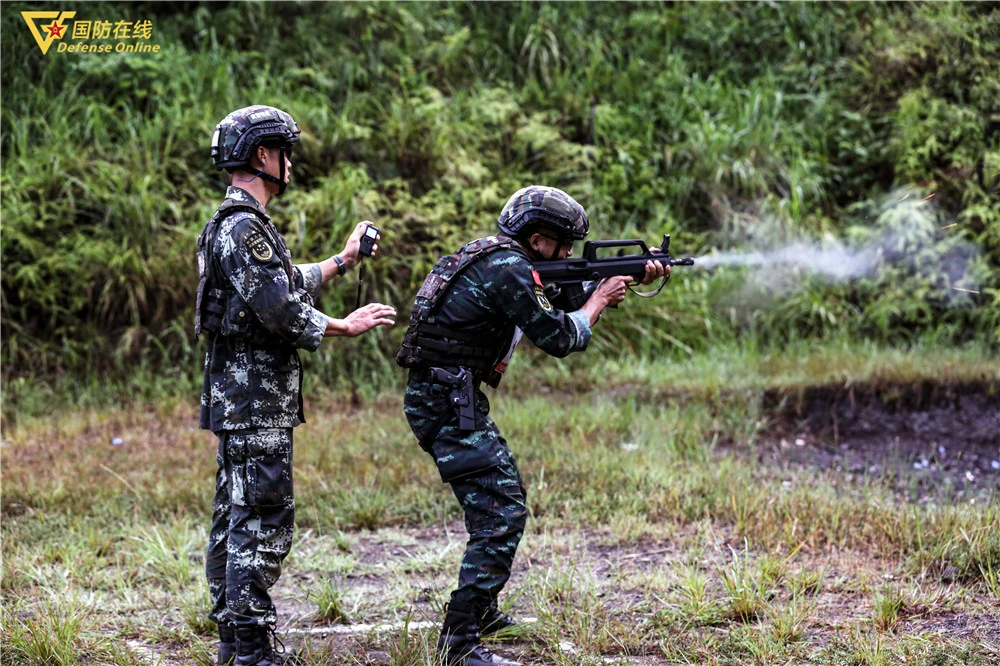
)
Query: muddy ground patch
[{"x": 924, "y": 439}]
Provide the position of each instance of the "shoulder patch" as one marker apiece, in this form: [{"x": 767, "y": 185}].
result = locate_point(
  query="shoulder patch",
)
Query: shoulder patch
[
  {"x": 259, "y": 247},
  {"x": 543, "y": 301},
  {"x": 430, "y": 286}
]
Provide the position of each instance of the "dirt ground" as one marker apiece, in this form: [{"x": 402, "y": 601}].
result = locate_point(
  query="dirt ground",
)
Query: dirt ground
[
  {"x": 926, "y": 440},
  {"x": 614, "y": 570}
]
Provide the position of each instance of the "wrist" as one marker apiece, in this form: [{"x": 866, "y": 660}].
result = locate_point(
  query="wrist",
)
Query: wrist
[
  {"x": 344, "y": 328},
  {"x": 350, "y": 258},
  {"x": 342, "y": 266}
]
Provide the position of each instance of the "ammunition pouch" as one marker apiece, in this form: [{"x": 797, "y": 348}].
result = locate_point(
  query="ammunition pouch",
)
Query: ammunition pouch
[
  {"x": 210, "y": 306},
  {"x": 210, "y": 310},
  {"x": 445, "y": 346},
  {"x": 223, "y": 312},
  {"x": 239, "y": 319}
]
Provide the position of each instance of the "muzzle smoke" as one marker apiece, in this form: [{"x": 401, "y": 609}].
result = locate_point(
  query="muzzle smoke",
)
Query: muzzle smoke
[
  {"x": 836, "y": 261},
  {"x": 907, "y": 239}
]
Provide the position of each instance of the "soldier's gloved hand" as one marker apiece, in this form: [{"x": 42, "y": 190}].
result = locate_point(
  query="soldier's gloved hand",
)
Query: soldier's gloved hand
[
  {"x": 350, "y": 254},
  {"x": 362, "y": 320}
]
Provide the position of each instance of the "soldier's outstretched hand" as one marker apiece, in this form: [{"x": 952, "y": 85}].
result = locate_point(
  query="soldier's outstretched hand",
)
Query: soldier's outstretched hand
[{"x": 362, "y": 320}]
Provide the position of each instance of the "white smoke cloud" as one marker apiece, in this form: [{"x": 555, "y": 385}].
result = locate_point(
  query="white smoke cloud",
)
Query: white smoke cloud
[
  {"x": 834, "y": 259},
  {"x": 906, "y": 237}
]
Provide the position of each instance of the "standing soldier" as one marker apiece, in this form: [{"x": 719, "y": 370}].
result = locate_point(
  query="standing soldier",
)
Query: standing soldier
[
  {"x": 257, "y": 309},
  {"x": 466, "y": 321}
]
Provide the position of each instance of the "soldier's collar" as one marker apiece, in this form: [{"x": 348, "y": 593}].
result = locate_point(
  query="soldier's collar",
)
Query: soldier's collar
[{"x": 238, "y": 194}]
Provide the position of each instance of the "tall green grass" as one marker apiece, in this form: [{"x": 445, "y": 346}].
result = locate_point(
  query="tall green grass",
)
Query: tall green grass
[{"x": 710, "y": 122}]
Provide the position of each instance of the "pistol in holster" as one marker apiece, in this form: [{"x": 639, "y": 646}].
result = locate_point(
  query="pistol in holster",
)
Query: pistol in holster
[{"x": 462, "y": 396}]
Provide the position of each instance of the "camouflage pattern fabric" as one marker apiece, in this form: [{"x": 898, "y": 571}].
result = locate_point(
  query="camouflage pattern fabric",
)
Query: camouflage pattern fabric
[
  {"x": 252, "y": 524},
  {"x": 495, "y": 516},
  {"x": 426, "y": 345},
  {"x": 549, "y": 205},
  {"x": 484, "y": 477},
  {"x": 242, "y": 130},
  {"x": 498, "y": 294},
  {"x": 490, "y": 300},
  {"x": 502, "y": 292},
  {"x": 432, "y": 419},
  {"x": 253, "y": 379}
]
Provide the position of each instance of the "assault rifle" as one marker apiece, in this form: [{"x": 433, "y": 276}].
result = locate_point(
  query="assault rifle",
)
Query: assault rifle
[{"x": 565, "y": 277}]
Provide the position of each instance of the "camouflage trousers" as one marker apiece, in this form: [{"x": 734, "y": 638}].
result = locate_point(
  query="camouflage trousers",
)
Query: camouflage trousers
[
  {"x": 252, "y": 524},
  {"x": 485, "y": 479},
  {"x": 495, "y": 515}
]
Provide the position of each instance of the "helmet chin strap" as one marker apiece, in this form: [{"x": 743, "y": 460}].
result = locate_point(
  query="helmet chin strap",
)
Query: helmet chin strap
[
  {"x": 280, "y": 181},
  {"x": 536, "y": 255}
]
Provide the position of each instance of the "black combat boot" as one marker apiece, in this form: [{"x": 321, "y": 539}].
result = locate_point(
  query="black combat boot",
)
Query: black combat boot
[
  {"x": 253, "y": 648},
  {"x": 494, "y": 620},
  {"x": 459, "y": 641},
  {"x": 227, "y": 645}
]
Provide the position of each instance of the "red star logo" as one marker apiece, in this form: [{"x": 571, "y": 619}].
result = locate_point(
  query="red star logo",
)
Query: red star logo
[{"x": 55, "y": 30}]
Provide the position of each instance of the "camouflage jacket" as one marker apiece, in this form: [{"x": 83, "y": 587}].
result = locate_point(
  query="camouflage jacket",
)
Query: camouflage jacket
[
  {"x": 495, "y": 299},
  {"x": 253, "y": 380},
  {"x": 500, "y": 296}
]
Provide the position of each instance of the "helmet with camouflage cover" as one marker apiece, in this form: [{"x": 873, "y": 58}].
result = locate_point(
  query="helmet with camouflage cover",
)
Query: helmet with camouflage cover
[
  {"x": 236, "y": 139},
  {"x": 244, "y": 129},
  {"x": 548, "y": 206}
]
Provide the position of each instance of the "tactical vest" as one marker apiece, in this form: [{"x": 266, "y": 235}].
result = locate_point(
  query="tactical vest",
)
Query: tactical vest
[
  {"x": 219, "y": 307},
  {"x": 426, "y": 343}
]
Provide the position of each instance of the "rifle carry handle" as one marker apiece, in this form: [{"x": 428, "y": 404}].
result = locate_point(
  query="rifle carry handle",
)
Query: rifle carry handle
[{"x": 590, "y": 247}]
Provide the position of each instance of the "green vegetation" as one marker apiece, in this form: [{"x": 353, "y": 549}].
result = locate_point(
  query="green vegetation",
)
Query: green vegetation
[
  {"x": 661, "y": 531},
  {"x": 728, "y": 126}
]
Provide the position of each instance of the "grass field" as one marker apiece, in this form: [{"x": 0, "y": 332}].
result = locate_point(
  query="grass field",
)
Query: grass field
[{"x": 693, "y": 512}]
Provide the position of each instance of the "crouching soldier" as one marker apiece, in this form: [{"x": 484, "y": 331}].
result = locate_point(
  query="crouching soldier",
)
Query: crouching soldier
[{"x": 468, "y": 317}]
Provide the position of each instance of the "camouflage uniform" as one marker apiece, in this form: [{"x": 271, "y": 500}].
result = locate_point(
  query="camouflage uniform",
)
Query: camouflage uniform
[
  {"x": 495, "y": 299},
  {"x": 251, "y": 399}
]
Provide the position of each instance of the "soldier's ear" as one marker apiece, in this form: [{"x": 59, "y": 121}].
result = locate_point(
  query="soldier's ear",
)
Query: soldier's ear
[
  {"x": 535, "y": 242},
  {"x": 260, "y": 153}
]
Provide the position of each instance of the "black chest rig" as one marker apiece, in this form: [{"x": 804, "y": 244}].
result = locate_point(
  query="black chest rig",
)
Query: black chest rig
[
  {"x": 429, "y": 344},
  {"x": 219, "y": 308}
]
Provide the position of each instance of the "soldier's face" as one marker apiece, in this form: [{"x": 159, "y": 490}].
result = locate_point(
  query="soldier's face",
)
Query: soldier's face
[
  {"x": 270, "y": 159},
  {"x": 551, "y": 247}
]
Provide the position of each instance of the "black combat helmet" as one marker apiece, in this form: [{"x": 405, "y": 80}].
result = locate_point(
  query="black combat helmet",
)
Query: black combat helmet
[
  {"x": 238, "y": 135},
  {"x": 551, "y": 207}
]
